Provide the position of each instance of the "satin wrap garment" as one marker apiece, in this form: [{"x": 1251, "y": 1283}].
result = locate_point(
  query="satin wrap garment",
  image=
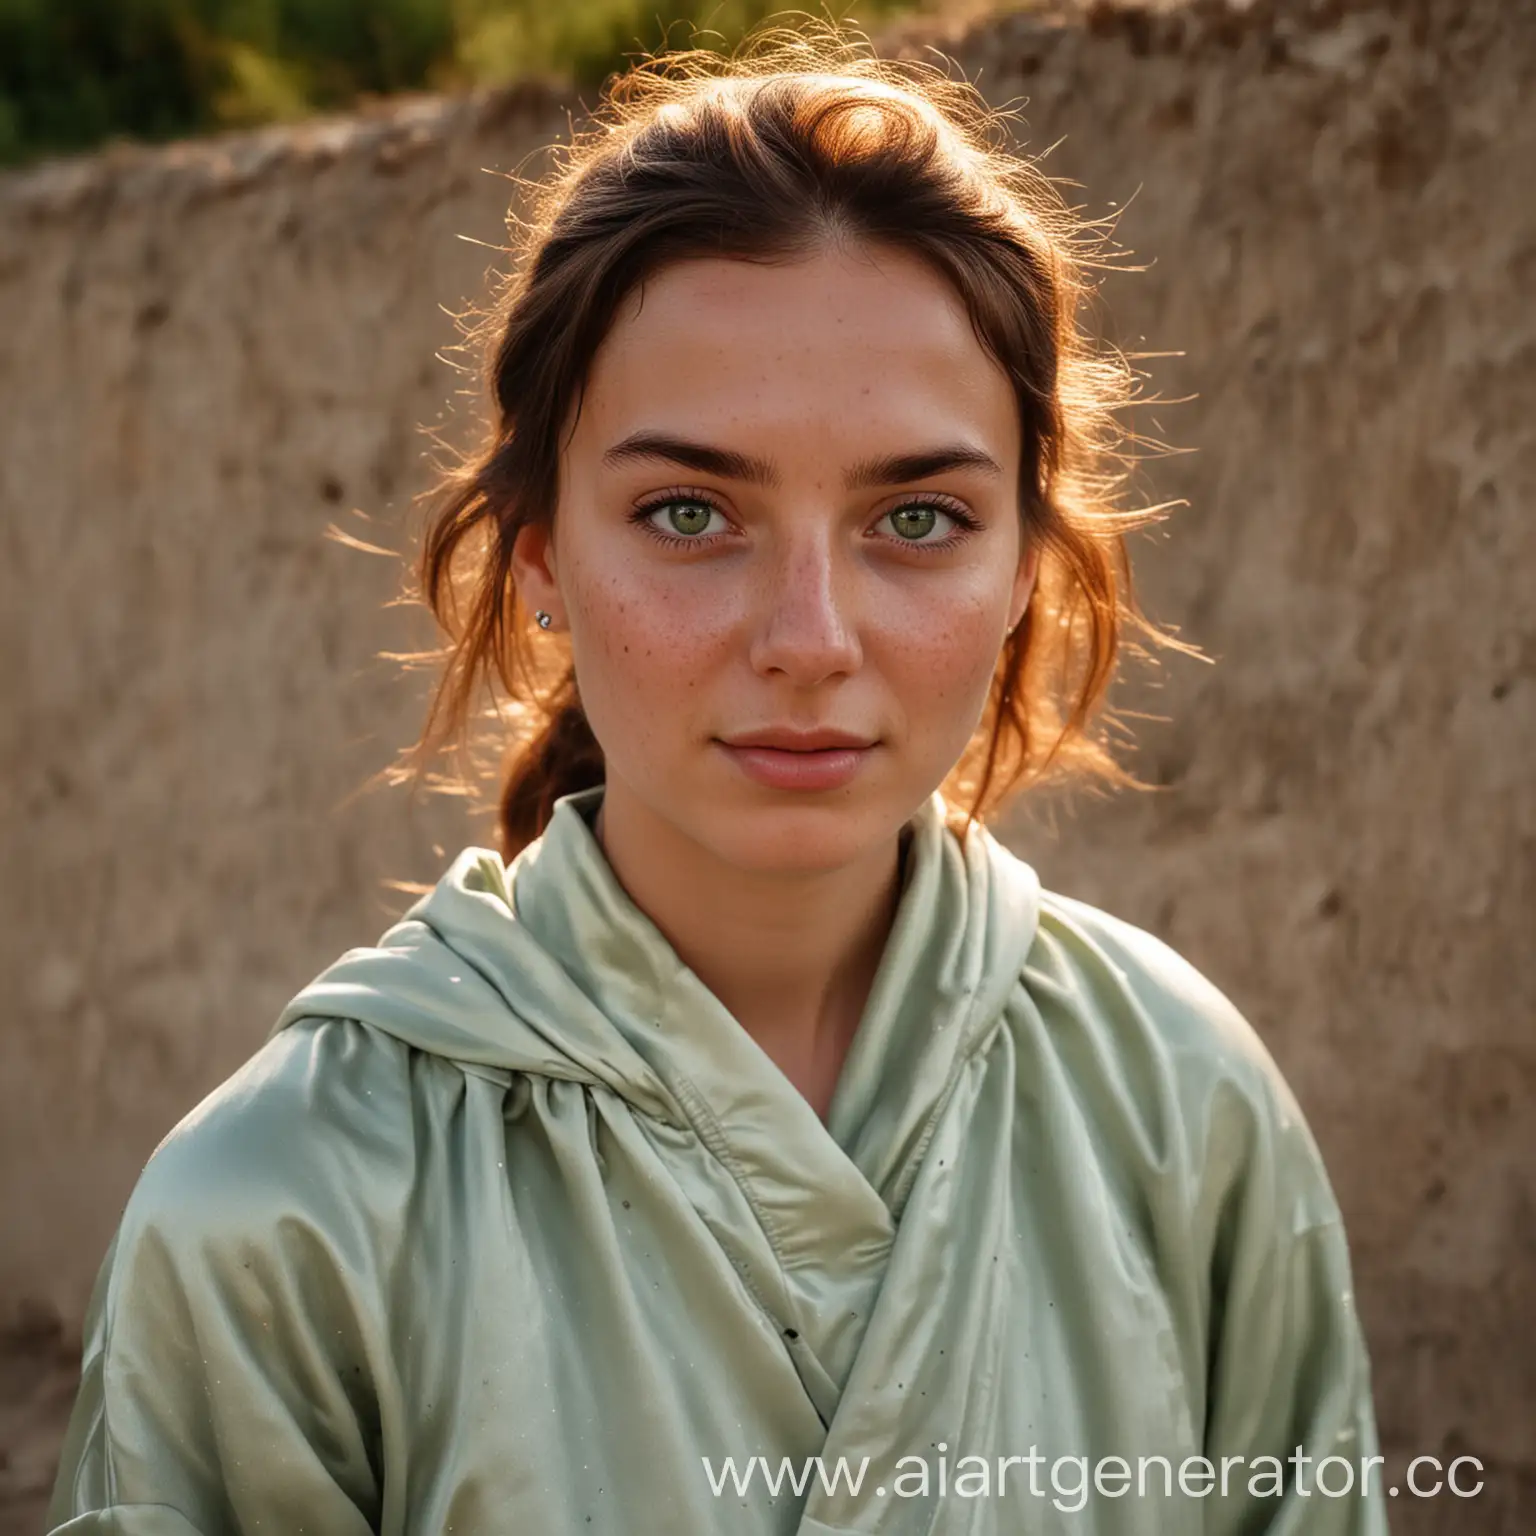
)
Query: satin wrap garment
[{"x": 510, "y": 1227}]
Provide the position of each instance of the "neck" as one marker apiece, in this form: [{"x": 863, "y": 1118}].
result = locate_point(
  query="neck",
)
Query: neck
[{"x": 790, "y": 955}]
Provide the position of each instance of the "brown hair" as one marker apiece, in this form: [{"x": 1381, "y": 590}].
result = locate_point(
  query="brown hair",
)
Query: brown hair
[{"x": 799, "y": 139}]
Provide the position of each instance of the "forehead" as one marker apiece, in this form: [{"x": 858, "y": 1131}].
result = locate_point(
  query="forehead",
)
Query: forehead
[{"x": 842, "y": 340}]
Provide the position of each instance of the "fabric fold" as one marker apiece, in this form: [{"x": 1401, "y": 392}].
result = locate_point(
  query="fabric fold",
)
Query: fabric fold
[{"x": 510, "y": 1225}]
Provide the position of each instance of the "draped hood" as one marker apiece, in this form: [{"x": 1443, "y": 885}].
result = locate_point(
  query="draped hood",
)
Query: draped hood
[{"x": 546, "y": 966}]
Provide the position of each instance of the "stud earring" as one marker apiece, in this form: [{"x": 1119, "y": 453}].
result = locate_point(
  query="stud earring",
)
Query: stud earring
[{"x": 543, "y": 619}]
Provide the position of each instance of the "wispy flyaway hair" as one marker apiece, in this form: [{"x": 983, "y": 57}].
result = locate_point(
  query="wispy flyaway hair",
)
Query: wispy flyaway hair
[{"x": 801, "y": 140}]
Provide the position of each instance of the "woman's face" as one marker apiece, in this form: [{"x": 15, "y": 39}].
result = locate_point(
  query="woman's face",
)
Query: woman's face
[{"x": 789, "y": 503}]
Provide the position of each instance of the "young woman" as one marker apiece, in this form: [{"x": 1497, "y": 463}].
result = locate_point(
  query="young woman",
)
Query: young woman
[{"x": 754, "y": 1104}]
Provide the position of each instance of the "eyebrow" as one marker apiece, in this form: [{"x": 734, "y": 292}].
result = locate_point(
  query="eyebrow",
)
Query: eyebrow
[{"x": 726, "y": 464}]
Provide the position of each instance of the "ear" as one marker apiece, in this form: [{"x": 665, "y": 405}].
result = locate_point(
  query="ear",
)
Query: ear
[
  {"x": 1024, "y": 582},
  {"x": 534, "y": 573}
]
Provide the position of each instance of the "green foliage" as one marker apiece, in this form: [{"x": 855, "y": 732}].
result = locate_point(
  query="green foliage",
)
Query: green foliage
[{"x": 74, "y": 73}]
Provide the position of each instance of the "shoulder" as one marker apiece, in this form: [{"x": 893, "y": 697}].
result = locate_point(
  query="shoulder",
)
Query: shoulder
[
  {"x": 1134, "y": 987},
  {"x": 308, "y": 1141},
  {"x": 1150, "y": 1038},
  {"x": 246, "y": 1300}
]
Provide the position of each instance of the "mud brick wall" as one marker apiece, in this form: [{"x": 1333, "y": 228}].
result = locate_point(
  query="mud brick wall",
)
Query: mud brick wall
[{"x": 210, "y": 352}]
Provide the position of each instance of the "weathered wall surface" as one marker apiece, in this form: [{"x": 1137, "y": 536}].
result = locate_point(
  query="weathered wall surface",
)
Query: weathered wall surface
[{"x": 209, "y": 353}]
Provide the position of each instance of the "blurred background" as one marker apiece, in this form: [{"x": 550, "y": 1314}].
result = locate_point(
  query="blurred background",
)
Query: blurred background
[
  {"x": 234, "y": 235},
  {"x": 78, "y": 73}
]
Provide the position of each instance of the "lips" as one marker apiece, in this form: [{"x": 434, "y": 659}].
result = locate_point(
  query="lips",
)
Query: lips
[
  {"x": 804, "y": 761},
  {"x": 782, "y": 740}
]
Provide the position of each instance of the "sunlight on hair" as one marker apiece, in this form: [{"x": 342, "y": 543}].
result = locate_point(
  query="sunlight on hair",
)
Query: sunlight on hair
[{"x": 801, "y": 136}]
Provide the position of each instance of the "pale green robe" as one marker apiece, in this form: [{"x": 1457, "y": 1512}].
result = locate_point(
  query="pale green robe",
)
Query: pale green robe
[{"x": 510, "y": 1227}]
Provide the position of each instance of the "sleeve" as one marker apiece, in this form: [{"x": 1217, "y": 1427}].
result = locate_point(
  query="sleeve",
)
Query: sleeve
[
  {"x": 228, "y": 1380},
  {"x": 1257, "y": 1258},
  {"x": 1289, "y": 1407}
]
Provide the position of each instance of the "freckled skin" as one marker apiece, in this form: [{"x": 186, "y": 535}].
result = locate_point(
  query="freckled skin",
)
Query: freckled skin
[{"x": 800, "y": 604}]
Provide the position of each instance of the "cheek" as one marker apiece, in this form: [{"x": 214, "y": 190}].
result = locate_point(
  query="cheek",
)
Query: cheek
[
  {"x": 941, "y": 659},
  {"x": 642, "y": 653}
]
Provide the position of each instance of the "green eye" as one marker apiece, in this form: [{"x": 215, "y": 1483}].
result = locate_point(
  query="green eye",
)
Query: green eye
[
  {"x": 913, "y": 522},
  {"x": 689, "y": 517}
]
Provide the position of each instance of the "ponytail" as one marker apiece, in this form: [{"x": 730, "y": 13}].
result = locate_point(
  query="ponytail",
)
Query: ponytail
[{"x": 560, "y": 760}]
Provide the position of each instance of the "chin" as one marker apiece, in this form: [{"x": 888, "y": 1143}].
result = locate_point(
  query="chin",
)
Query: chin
[{"x": 804, "y": 835}]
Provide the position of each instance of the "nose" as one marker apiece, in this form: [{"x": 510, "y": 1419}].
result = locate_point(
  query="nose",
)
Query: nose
[{"x": 805, "y": 628}]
